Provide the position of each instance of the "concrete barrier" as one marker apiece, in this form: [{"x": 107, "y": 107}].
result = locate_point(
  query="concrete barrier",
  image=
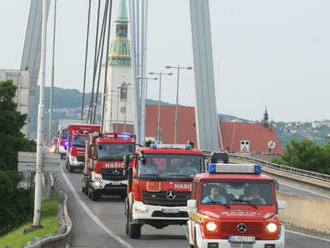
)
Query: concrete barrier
[
  {"x": 306, "y": 212},
  {"x": 61, "y": 238}
]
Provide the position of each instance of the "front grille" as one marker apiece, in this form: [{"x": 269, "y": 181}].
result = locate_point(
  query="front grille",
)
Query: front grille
[
  {"x": 159, "y": 198},
  {"x": 113, "y": 174},
  {"x": 81, "y": 159},
  {"x": 252, "y": 228},
  {"x": 181, "y": 214}
]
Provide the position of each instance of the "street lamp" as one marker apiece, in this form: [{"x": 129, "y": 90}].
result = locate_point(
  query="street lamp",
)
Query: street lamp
[
  {"x": 147, "y": 79},
  {"x": 160, "y": 74},
  {"x": 178, "y": 68}
]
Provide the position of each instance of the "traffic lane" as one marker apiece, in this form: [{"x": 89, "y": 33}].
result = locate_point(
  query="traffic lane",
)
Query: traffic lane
[
  {"x": 110, "y": 210},
  {"x": 85, "y": 232}
]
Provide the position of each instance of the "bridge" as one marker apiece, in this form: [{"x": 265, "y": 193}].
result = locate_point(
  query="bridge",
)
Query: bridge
[{"x": 101, "y": 224}]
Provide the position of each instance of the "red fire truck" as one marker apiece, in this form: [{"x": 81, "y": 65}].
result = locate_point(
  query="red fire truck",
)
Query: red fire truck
[
  {"x": 234, "y": 206},
  {"x": 103, "y": 171},
  {"x": 77, "y": 138},
  {"x": 159, "y": 185}
]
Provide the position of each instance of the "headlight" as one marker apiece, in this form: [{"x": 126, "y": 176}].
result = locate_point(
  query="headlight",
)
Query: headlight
[
  {"x": 211, "y": 226},
  {"x": 73, "y": 159},
  {"x": 141, "y": 208},
  {"x": 271, "y": 227}
]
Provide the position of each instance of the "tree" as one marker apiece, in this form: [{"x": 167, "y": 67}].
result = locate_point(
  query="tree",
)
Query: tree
[
  {"x": 307, "y": 155},
  {"x": 11, "y": 122}
]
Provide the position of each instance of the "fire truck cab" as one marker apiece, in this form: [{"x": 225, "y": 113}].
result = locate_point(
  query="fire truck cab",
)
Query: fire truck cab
[
  {"x": 159, "y": 185},
  {"x": 103, "y": 171},
  {"x": 234, "y": 206},
  {"x": 78, "y": 135}
]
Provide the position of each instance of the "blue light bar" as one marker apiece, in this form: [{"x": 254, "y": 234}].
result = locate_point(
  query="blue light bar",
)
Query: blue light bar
[
  {"x": 188, "y": 147},
  {"x": 212, "y": 168},
  {"x": 124, "y": 136},
  {"x": 153, "y": 146},
  {"x": 235, "y": 168}
]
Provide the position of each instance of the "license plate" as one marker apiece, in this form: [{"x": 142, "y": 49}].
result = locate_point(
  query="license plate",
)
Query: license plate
[
  {"x": 170, "y": 211},
  {"x": 245, "y": 239}
]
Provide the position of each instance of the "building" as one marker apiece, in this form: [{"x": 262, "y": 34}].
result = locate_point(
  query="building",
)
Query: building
[
  {"x": 119, "y": 93},
  {"x": 21, "y": 81}
]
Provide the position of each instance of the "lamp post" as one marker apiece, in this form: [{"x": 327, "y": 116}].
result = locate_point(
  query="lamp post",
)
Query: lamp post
[
  {"x": 160, "y": 74},
  {"x": 111, "y": 120},
  {"x": 178, "y": 68},
  {"x": 147, "y": 79}
]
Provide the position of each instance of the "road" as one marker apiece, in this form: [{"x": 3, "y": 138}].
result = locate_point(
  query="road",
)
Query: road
[{"x": 101, "y": 224}]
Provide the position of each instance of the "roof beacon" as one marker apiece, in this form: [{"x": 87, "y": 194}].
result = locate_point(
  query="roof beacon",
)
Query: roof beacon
[
  {"x": 170, "y": 146},
  {"x": 235, "y": 168}
]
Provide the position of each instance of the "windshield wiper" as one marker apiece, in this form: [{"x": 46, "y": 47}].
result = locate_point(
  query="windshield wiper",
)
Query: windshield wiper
[
  {"x": 219, "y": 203},
  {"x": 247, "y": 201}
]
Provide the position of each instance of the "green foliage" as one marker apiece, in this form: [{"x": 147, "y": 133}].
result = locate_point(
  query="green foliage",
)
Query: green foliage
[
  {"x": 306, "y": 155},
  {"x": 16, "y": 205},
  {"x": 11, "y": 122}
]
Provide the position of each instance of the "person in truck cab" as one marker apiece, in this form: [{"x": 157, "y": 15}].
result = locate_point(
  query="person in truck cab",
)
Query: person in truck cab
[
  {"x": 214, "y": 197},
  {"x": 146, "y": 168},
  {"x": 253, "y": 195},
  {"x": 188, "y": 168}
]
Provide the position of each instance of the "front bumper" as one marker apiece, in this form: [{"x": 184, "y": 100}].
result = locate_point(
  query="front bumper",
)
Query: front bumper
[
  {"x": 224, "y": 243},
  {"x": 105, "y": 185},
  {"x": 145, "y": 214},
  {"x": 61, "y": 149}
]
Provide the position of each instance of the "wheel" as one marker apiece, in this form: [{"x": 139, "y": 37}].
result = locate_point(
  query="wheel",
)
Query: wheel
[
  {"x": 95, "y": 196},
  {"x": 132, "y": 230},
  {"x": 70, "y": 168}
]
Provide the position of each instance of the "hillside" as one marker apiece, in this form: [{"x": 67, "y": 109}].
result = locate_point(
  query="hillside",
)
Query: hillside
[{"x": 67, "y": 105}]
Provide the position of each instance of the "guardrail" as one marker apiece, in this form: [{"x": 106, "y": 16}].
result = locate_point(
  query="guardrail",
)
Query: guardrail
[
  {"x": 65, "y": 226},
  {"x": 287, "y": 169}
]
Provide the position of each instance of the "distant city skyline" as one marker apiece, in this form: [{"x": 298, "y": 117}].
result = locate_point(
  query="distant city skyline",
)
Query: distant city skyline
[{"x": 273, "y": 54}]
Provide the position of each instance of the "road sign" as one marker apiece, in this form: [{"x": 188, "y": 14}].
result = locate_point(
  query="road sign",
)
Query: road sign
[
  {"x": 245, "y": 146},
  {"x": 271, "y": 145},
  {"x": 27, "y": 162}
]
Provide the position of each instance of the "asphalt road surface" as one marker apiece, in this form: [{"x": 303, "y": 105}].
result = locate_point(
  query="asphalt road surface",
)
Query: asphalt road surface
[{"x": 102, "y": 223}]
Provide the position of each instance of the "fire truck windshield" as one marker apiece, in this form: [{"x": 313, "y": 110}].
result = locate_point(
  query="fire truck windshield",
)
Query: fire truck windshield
[
  {"x": 79, "y": 140},
  {"x": 170, "y": 165},
  {"x": 216, "y": 192},
  {"x": 114, "y": 151}
]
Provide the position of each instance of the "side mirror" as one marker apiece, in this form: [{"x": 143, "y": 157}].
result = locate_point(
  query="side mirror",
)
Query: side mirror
[
  {"x": 89, "y": 151},
  {"x": 281, "y": 204},
  {"x": 191, "y": 204},
  {"x": 276, "y": 184},
  {"x": 126, "y": 161}
]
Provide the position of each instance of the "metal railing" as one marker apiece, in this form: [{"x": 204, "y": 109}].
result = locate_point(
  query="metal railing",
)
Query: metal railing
[{"x": 284, "y": 168}]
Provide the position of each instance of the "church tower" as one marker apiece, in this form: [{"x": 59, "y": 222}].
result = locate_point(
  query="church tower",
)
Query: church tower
[{"x": 119, "y": 94}]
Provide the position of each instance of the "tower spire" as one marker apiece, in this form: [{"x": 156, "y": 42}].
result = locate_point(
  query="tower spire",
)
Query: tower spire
[{"x": 120, "y": 50}]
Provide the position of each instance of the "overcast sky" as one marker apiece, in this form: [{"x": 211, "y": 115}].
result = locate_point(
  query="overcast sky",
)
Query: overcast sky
[{"x": 266, "y": 53}]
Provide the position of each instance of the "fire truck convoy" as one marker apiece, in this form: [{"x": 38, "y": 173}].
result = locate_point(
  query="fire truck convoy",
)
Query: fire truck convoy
[
  {"x": 234, "y": 206},
  {"x": 78, "y": 135},
  {"x": 103, "y": 171},
  {"x": 159, "y": 185}
]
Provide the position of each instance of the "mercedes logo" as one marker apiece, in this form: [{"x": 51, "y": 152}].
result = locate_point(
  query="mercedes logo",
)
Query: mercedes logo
[
  {"x": 241, "y": 228},
  {"x": 170, "y": 195},
  {"x": 115, "y": 172}
]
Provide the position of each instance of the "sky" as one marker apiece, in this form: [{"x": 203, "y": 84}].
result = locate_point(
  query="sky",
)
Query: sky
[{"x": 266, "y": 53}]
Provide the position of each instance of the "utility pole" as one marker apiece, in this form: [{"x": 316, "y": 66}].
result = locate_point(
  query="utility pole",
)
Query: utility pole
[
  {"x": 50, "y": 124},
  {"x": 40, "y": 130}
]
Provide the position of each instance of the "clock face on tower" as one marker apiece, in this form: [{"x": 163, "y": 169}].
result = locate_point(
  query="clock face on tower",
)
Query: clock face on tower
[{"x": 123, "y": 109}]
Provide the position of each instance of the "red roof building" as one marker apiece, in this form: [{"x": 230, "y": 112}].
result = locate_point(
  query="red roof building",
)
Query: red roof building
[{"x": 233, "y": 133}]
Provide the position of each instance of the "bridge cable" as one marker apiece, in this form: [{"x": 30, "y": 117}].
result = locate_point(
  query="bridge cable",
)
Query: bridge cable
[
  {"x": 86, "y": 55},
  {"x": 95, "y": 59},
  {"x": 106, "y": 68},
  {"x": 101, "y": 59}
]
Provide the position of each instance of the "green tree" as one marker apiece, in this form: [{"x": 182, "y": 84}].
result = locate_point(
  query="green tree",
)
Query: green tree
[
  {"x": 307, "y": 155},
  {"x": 11, "y": 121}
]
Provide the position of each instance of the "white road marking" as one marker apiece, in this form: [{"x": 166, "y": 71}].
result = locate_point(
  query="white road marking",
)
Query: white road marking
[
  {"x": 92, "y": 215},
  {"x": 308, "y": 236}
]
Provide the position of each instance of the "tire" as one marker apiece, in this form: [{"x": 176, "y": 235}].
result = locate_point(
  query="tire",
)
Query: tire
[
  {"x": 95, "y": 196},
  {"x": 70, "y": 168},
  {"x": 132, "y": 230}
]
